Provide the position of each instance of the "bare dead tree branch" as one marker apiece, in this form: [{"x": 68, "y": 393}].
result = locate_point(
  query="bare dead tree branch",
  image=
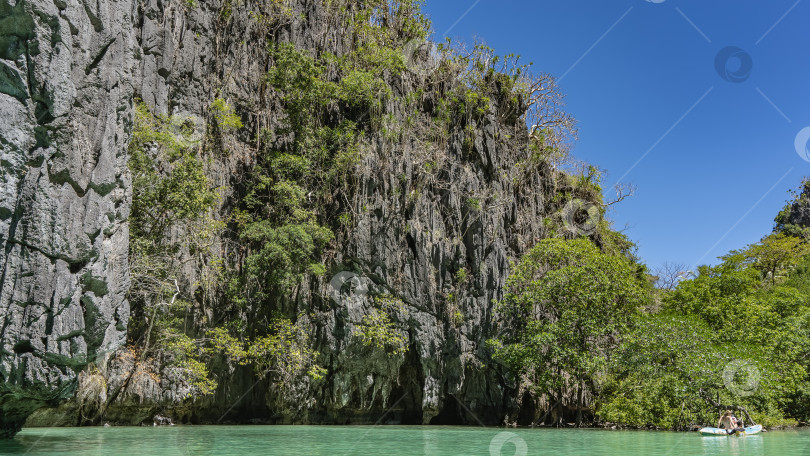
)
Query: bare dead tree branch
[
  {"x": 670, "y": 274},
  {"x": 623, "y": 191}
]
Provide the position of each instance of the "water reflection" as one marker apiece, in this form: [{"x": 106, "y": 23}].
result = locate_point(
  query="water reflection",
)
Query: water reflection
[
  {"x": 431, "y": 442},
  {"x": 751, "y": 445}
]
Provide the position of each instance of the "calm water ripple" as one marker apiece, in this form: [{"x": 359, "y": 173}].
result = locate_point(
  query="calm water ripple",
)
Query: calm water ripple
[{"x": 395, "y": 440}]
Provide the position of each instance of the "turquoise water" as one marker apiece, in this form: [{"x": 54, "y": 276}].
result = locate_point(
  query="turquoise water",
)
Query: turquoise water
[{"x": 395, "y": 440}]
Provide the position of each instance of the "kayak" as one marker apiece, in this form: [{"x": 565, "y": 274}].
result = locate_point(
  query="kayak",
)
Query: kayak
[{"x": 750, "y": 430}]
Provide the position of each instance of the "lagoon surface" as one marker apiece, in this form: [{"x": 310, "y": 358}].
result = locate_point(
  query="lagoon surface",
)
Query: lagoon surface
[{"x": 395, "y": 440}]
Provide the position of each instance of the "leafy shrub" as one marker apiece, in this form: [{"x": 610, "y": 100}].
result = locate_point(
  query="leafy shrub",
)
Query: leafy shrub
[{"x": 378, "y": 331}]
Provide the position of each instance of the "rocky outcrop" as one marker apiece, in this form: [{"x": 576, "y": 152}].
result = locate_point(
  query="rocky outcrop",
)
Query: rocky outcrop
[
  {"x": 434, "y": 226},
  {"x": 794, "y": 218},
  {"x": 438, "y": 237},
  {"x": 65, "y": 104}
]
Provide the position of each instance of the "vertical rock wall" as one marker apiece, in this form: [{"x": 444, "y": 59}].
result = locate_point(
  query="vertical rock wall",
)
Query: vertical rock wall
[
  {"x": 413, "y": 231},
  {"x": 65, "y": 110},
  {"x": 68, "y": 72}
]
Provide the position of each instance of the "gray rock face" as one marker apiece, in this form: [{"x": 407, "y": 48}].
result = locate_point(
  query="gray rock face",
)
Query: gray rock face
[
  {"x": 65, "y": 104},
  {"x": 416, "y": 230},
  {"x": 413, "y": 244},
  {"x": 67, "y": 77}
]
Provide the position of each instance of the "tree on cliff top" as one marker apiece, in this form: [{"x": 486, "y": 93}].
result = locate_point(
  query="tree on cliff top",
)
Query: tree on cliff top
[{"x": 777, "y": 254}]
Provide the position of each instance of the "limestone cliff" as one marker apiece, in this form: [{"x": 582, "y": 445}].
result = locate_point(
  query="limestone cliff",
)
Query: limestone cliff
[
  {"x": 65, "y": 105},
  {"x": 435, "y": 217}
]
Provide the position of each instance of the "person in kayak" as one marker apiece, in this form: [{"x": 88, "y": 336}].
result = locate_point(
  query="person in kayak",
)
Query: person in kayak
[{"x": 727, "y": 422}]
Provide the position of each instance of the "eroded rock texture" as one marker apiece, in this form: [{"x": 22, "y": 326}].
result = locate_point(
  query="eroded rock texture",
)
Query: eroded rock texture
[
  {"x": 69, "y": 72},
  {"x": 415, "y": 228},
  {"x": 65, "y": 108}
]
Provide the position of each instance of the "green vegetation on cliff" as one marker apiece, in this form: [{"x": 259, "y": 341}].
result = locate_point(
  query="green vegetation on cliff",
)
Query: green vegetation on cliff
[
  {"x": 171, "y": 212},
  {"x": 219, "y": 273}
]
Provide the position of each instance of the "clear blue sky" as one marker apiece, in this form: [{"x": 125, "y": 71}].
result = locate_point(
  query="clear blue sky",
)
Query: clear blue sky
[{"x": 639, "y": 74}]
